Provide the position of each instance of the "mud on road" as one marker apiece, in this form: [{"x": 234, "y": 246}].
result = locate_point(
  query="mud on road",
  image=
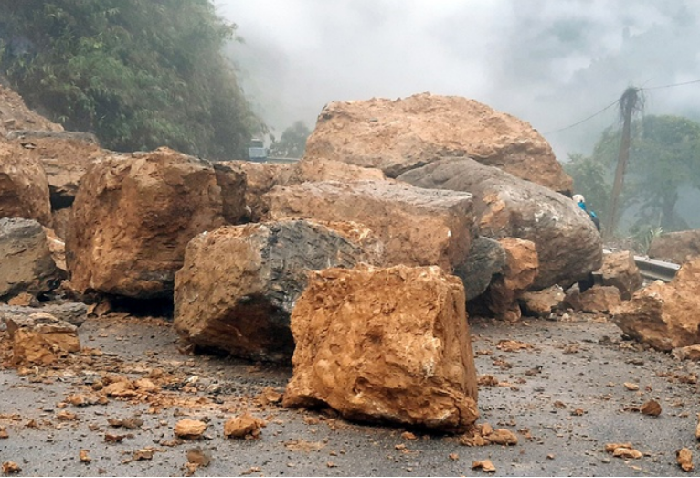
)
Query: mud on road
[{"x": 566, "y": 389}]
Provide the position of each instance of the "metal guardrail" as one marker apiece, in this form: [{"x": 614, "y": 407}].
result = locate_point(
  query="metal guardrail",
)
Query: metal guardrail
[{"x": 654, "y": 269}]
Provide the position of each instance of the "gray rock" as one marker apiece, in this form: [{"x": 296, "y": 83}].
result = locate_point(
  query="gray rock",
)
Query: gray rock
[
  {"x": 486, "y": 258},
  {"x": 72, "y": 312}
]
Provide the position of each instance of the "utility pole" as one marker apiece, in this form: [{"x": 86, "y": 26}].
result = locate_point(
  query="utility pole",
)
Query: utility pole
[{"x": 628, "y": 103}]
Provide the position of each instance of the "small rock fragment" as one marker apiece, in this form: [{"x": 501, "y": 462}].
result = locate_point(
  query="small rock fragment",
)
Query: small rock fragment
[
  {"x": 684, "y": 458},
  {"x": 697, "y": 429},
  {"x": 198, "y": 456},
  {"x": 651, "y": 408},
  {"x": 145, "y": 454},
  {"x": 269, "y": 396},
  {"x": 66, "y": 415},
  {"x": 631, "y": 386},
  {"x": 10, "y": 467},
  {"x": 3, "y": 433},
  {"x": 244, "y": 427},
  {"x": 85, "y": 456},
  {"x": 485, "y": 465},
  {"x": 331, "y": 464},
  {"x": 190, "y": 429},
  {"x": 109, "y": 437},
  {"x": 623, "y": 450},
  {"x": 454, "y": 456},
  {"x": 409, "y": 436}
]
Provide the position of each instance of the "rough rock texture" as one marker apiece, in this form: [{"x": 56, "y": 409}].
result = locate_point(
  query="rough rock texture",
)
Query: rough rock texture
[
  {"x": 486, "y": 257},
  {"x": 239, "y": 284},
  {"x": 690, "y": 352},
  {"x": 74, "y": 313},
  {"x": 518, "y": 274},
  {"x": 677, "y": 247},
  {"x": 132, "y": 219},
  {"x": 317, "y": 170},
  {"x": 594, "y": 300},
  {"x": 665, "y": 315},
  {"x": 619, "y": 270},
  {"x": 374, "y": 250},
  {"x": 60, "y": 219},
  {"x": 418, "y": 226},
  {"x": 64, "y": 156},
  {"x": 245, "y": 427},
  {"x": 14, "y": 115},
  {"x": 233, "y": 193},
  {"x": 259, "y": 179},
  {"x": 25, "y": 260},
  {"x": 385, "y": 345},
  {"x": 24, "y": 188},
  {"x": 396, "y": 136},
  {"x": 57, "y": 248},
  {"x": 541, "y": 303},
  {"x": 41, "y": 338},
  {"x": 568, "y": 244}
]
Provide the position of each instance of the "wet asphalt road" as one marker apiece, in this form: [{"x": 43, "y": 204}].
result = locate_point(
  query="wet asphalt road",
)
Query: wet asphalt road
[{"x": 578, "y": 365}]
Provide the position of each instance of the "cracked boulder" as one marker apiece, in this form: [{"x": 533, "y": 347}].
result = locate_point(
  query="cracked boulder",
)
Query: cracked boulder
[
  {"x": 132, "y": 219},
  {"x": 419, "y": 227},
  {"x": 385, "y": 345},
  {"x": 238, "y": 286},
  {"x": 40, "y": 338},
  {"x": 24, "y": 187},
  {"x": 619, "y": 270},
  {"x": 26, "y": 264},
  {"x": 568, "y": 244},
  {"x": 665, "y": 315}
]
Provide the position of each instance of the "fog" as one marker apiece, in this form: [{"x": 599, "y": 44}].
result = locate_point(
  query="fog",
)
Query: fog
[{"x": 550, "y": 62}]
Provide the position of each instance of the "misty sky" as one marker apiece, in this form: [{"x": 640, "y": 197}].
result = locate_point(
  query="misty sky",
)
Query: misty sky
[{"x": 549, "y": 62}]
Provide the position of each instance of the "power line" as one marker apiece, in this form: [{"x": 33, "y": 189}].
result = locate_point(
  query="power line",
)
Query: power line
[
  {"x": 586, "y": 119},
  {"x": 673, "y": 85}
]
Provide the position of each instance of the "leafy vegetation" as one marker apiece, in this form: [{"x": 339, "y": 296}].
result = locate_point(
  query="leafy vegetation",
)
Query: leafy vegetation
[
  {"x": 292, "y": 143},
  {"x": 138, "y": 73},
  {"x": 665, "y": 156}
]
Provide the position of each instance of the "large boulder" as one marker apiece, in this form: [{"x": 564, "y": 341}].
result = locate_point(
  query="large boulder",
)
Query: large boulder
[
  {"x": 419, "y": 227},
  {"x": 597, "y": 299},
  {"x": 258, "y": 178},
  {"x": 317, "y": 170},
  {"x": 74, "y": 313},
  {"x": 519, "y": 272},
  {"x": 397, "y": 136},
  {"x": 238, "y": 285},
  {"x": 385, "y": 345},
  {"x": 65, "y": 156},
  {"x": 568, "y": 244},
  {"x": 665, "y": 315},
  {"x": 677, "y": 247},
  {"x": 485, "y": 259},
  {"x": 24, "y": 188},
  {"x": 25, "y": 259},
  {"x": 619, "y": 270},
  {"x": 132, "y": 219}
]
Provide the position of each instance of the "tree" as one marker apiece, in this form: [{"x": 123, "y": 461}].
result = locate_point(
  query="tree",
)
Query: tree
[
  {"x": 138, "y": 73},
  {"x": 292, "y": 143},
  {"x": 664, "y": 157}
]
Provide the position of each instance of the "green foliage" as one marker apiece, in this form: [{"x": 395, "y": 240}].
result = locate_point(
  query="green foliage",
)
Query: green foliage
[
  {"x": 138, "y": 73},
  {"x": 665, "y": 156},
  {"x": 292, "y": 143}
]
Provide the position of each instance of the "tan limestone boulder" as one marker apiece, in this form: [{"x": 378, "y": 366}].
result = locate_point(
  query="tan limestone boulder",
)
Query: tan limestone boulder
[
  {"x": 26, "y": 262},
  {"x": 665, "y": 315},
  {"x": 620, "y": 270},
  {"x": 518, "y": 274},
  {"x": 40, "y": 338},
  {"x": 258, "y": 179},
  {"x": 237, "y": 288},
  {"x": 65, "y": 156},
  {"x": 677, "y": 247},
  {"x": 597, "y": 299},
  {"x": 387, "y": 345},
  {"x": 320, "y": 169},
  {"x": 24, "y": 188},
  {"x": 568, "y": 244},
  {"x": 132, "y": 219},
  {"x": 397, "y": 136},
  {"x": 417, "y": 226},
  {"x": 541, "y": 303}
]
